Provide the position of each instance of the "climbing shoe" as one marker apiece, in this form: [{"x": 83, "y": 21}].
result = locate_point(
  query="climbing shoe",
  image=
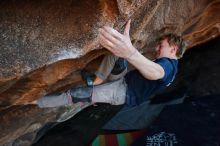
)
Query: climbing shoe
[
  {"x": 87, "y": 77},
  {"x": 120, "y": 65}
]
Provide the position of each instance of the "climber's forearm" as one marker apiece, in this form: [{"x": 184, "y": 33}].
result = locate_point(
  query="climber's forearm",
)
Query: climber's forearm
[{"x": 149, "y": 69}]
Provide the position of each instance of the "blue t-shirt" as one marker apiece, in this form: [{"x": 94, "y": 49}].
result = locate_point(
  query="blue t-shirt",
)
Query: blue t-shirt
[{"x": 139, "y": 88}]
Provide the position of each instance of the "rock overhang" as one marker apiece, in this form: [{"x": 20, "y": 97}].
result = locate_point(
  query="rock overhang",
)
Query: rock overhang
[{"x": 44, "y": 44}]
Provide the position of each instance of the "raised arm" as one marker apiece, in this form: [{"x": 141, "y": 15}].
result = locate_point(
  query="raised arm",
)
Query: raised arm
[{"x": 121, "y": 46}]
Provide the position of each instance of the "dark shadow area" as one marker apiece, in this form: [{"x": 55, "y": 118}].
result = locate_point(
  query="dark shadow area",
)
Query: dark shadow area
[
  {"x": 79, "y": 130},
  {"x": 193, "y": 123}
]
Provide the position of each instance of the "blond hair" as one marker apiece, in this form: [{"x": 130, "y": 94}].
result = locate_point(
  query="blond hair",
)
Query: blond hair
[{"x": 175, "y": 40}]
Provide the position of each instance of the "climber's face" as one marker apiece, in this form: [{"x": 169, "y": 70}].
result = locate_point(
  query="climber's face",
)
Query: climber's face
[{"x": 164, "y": 49}]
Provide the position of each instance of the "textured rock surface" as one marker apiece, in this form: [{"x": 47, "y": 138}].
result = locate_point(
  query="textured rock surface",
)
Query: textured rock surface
[
  {"x": 19, "y": 124},
  {"x": 44, "y": 44}
]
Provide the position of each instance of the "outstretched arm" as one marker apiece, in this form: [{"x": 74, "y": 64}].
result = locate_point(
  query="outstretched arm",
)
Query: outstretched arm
[{"x": 121, "y": 46}]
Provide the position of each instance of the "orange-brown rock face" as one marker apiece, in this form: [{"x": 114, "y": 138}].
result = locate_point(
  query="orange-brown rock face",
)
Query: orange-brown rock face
[{"x": 44, "y": 44}]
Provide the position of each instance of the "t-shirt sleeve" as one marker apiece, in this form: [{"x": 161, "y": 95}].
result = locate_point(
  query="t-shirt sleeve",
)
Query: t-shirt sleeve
[{"x": 167, "y": 66}]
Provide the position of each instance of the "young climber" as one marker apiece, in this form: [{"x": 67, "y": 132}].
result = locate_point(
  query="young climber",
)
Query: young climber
[{"x": 133, "y": 87}]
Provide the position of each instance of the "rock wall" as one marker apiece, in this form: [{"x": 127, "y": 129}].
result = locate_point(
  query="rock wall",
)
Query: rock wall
[{"x": 44, "y": 44}]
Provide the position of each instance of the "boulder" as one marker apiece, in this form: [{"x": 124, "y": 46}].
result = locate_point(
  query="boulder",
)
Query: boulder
[{"x": 45, "y": 44}]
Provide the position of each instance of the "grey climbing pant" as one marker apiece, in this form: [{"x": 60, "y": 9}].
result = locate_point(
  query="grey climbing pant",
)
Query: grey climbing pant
[{"x": 113, "y": 92}]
